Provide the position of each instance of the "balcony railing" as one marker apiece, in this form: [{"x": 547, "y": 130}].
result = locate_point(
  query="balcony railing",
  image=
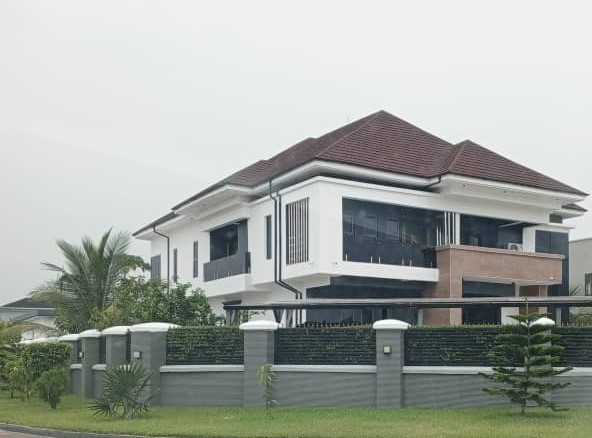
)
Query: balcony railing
[
  {"x": 228, "y": 266},
  {"x": 401, "y": 255}
]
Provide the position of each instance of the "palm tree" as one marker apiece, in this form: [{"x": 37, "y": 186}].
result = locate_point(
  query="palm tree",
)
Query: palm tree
[{"x": 86, "y": 284}]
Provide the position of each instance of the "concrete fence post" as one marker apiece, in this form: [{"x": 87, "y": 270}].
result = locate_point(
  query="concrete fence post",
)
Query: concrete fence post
[
  {"x": 72, "y": 341},
  {"x": 116, "y": 345},
  {"x": 390, "y": 359},
  {"x": 259, "y": 350},
  {"x": 148, "y": 345},
  {"x": 88, "y": 358}
]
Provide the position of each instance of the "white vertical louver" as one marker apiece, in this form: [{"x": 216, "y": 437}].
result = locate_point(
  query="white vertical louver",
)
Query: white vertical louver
[{"x": 297, "y": 232}]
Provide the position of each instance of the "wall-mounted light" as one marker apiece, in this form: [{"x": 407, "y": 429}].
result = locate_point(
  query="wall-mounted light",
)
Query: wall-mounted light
[
  {"x": 80, "y": 354},
  {"x": 137, "y": 354},
  {"x": 387, "y": 349}
]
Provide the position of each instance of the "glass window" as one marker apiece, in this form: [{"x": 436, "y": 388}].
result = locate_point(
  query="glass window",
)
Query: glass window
[
  {"x": 175, "y": 273},
  {"x": 155, "y": 266},
  {"x": 224, "y": 242},
  {"x": 370, "y": 226},
  {"x": 268, "y": 237},
  {"x": 348, "y": 223},
  {"x": 392, "y": 229},
  {"x": 195, "y": 259}
]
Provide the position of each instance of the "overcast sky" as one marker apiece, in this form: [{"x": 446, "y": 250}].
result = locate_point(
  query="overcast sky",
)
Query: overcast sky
[{"x": 113, "y": 111}]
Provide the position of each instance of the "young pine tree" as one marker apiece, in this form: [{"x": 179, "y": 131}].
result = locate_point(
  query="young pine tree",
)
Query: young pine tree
[{"x": 527, "y": 356}]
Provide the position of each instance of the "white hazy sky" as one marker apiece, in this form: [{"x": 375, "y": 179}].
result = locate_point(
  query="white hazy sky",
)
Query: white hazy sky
[{"x": 113, "y": 111}]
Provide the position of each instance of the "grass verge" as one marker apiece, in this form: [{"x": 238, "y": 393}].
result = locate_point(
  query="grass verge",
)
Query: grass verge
[{"x": 73, "y": 415}]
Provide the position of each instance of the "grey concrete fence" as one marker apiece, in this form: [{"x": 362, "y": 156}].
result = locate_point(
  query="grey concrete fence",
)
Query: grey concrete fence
[{"x": 387, "y": 384}]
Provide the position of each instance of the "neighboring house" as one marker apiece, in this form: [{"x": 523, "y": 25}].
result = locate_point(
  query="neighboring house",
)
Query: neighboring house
[
  {"x": 580, "y": 267},
  {"x": 377, "y": 209},
  {"x": 40, "y": 313}
]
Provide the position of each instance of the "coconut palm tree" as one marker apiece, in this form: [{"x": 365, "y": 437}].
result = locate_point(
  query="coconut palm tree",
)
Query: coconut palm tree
[{"x": 86, "y": 283}]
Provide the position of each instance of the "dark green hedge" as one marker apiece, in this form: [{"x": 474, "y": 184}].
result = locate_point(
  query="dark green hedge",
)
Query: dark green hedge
[
  {"x": 326, "y": 346},
  {"x": 44, "y": 356},
  {"x": 205, "y": 346},
  {"x": 470, "y": 346},
  {"x": 577, "y": 343},
  {"x": 450, "y": 346}
]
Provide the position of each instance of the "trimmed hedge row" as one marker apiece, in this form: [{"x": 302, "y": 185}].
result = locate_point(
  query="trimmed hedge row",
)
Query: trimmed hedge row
[
  {"x": 326, "y": 346},
  {"x": 204, "y": 346},
  {"x": 577, "y": 342},
  {"x": 470, "y": 346},
  {"x": 450, "y": 346}
]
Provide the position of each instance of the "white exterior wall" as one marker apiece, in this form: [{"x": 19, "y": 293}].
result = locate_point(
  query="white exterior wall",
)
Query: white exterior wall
[
  {"x": 580, "y": 263},
  {"x": 325, "y": 236}
]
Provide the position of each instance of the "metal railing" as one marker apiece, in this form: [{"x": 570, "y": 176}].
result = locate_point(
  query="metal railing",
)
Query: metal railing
[{"x": 228, "y": 266}]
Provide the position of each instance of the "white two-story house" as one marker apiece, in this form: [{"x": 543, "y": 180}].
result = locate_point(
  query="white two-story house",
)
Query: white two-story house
[{"x": 376, "y": 209}]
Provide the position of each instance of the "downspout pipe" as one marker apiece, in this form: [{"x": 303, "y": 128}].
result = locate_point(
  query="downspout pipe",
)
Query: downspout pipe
[
  {"x": 277, "y": 247},
  {"x": 168, "y": 255}
]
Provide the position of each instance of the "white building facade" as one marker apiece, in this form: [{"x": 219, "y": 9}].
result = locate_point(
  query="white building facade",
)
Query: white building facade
[{"x": 352, "y": 214}]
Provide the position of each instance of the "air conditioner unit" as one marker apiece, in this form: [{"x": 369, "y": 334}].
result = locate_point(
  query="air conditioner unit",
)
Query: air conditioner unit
[{"x": 515, "y": 246}]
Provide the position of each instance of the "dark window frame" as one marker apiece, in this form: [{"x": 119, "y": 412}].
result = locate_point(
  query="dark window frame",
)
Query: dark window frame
[
  {"x": 268, "y": 230},
  {"x": 195, "y": 259},
  {"x": 155, "y": 265},
  {"x": 175, "y": 265}
]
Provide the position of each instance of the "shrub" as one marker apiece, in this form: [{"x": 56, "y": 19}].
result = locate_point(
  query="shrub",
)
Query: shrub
[
  {"x": 20, "y": 377},
  {"x": 38, "y": 358},
  {"x": 125, "y": 392},
  {"x": 52, "y": 385},
  {"x": 531, "y": 346}
]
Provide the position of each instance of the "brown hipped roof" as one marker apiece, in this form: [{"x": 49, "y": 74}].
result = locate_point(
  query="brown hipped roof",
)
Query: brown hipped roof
[{"x": 382, "y": 141}]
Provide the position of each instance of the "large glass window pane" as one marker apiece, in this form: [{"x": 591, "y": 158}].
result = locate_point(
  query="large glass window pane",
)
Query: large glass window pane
[{"x": 388, "y": 234}]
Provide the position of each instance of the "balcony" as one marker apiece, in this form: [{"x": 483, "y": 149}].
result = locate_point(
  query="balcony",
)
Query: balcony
[
  {"x": 479, "y": 263},
  {"x": 224, "y": 267}
]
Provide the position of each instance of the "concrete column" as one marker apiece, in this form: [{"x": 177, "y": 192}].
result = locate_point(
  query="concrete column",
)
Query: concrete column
[
  {"x": 90, "y": 357},
  {"x": 259, "y": 350},
  {"x": 506, "y": 312},
  {"x": 116, "y": 343},
  {"x": 72, "y": 341},
  {"x": 390, "y": 358},
  {"x": 148, "y": 346}
]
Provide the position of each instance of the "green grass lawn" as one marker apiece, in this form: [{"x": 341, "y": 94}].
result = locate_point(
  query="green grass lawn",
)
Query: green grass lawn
[{"x": 299, "y": 422}]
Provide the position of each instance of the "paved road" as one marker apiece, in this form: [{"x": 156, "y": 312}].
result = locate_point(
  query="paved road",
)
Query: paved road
[{"x": 6, "y": 434}]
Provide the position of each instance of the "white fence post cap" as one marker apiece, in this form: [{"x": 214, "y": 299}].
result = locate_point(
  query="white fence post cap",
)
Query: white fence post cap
[
  {"x": 152, "y": 327},
  {"x": 117, "y": 330},
  {"x": 268, "y": 326},
  {"x": 69, "y": 337},
  {"x": 547, "y": 322},
  {"x": 92, "y": 333},
  {"x": 390, "y": 324}
]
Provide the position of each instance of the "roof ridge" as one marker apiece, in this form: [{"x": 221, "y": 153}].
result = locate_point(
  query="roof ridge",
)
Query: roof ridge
[
  {"x": 456, "y": 153},
  {"x": 371, "y": 118},
  {"x": 468, "y": 142}
]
